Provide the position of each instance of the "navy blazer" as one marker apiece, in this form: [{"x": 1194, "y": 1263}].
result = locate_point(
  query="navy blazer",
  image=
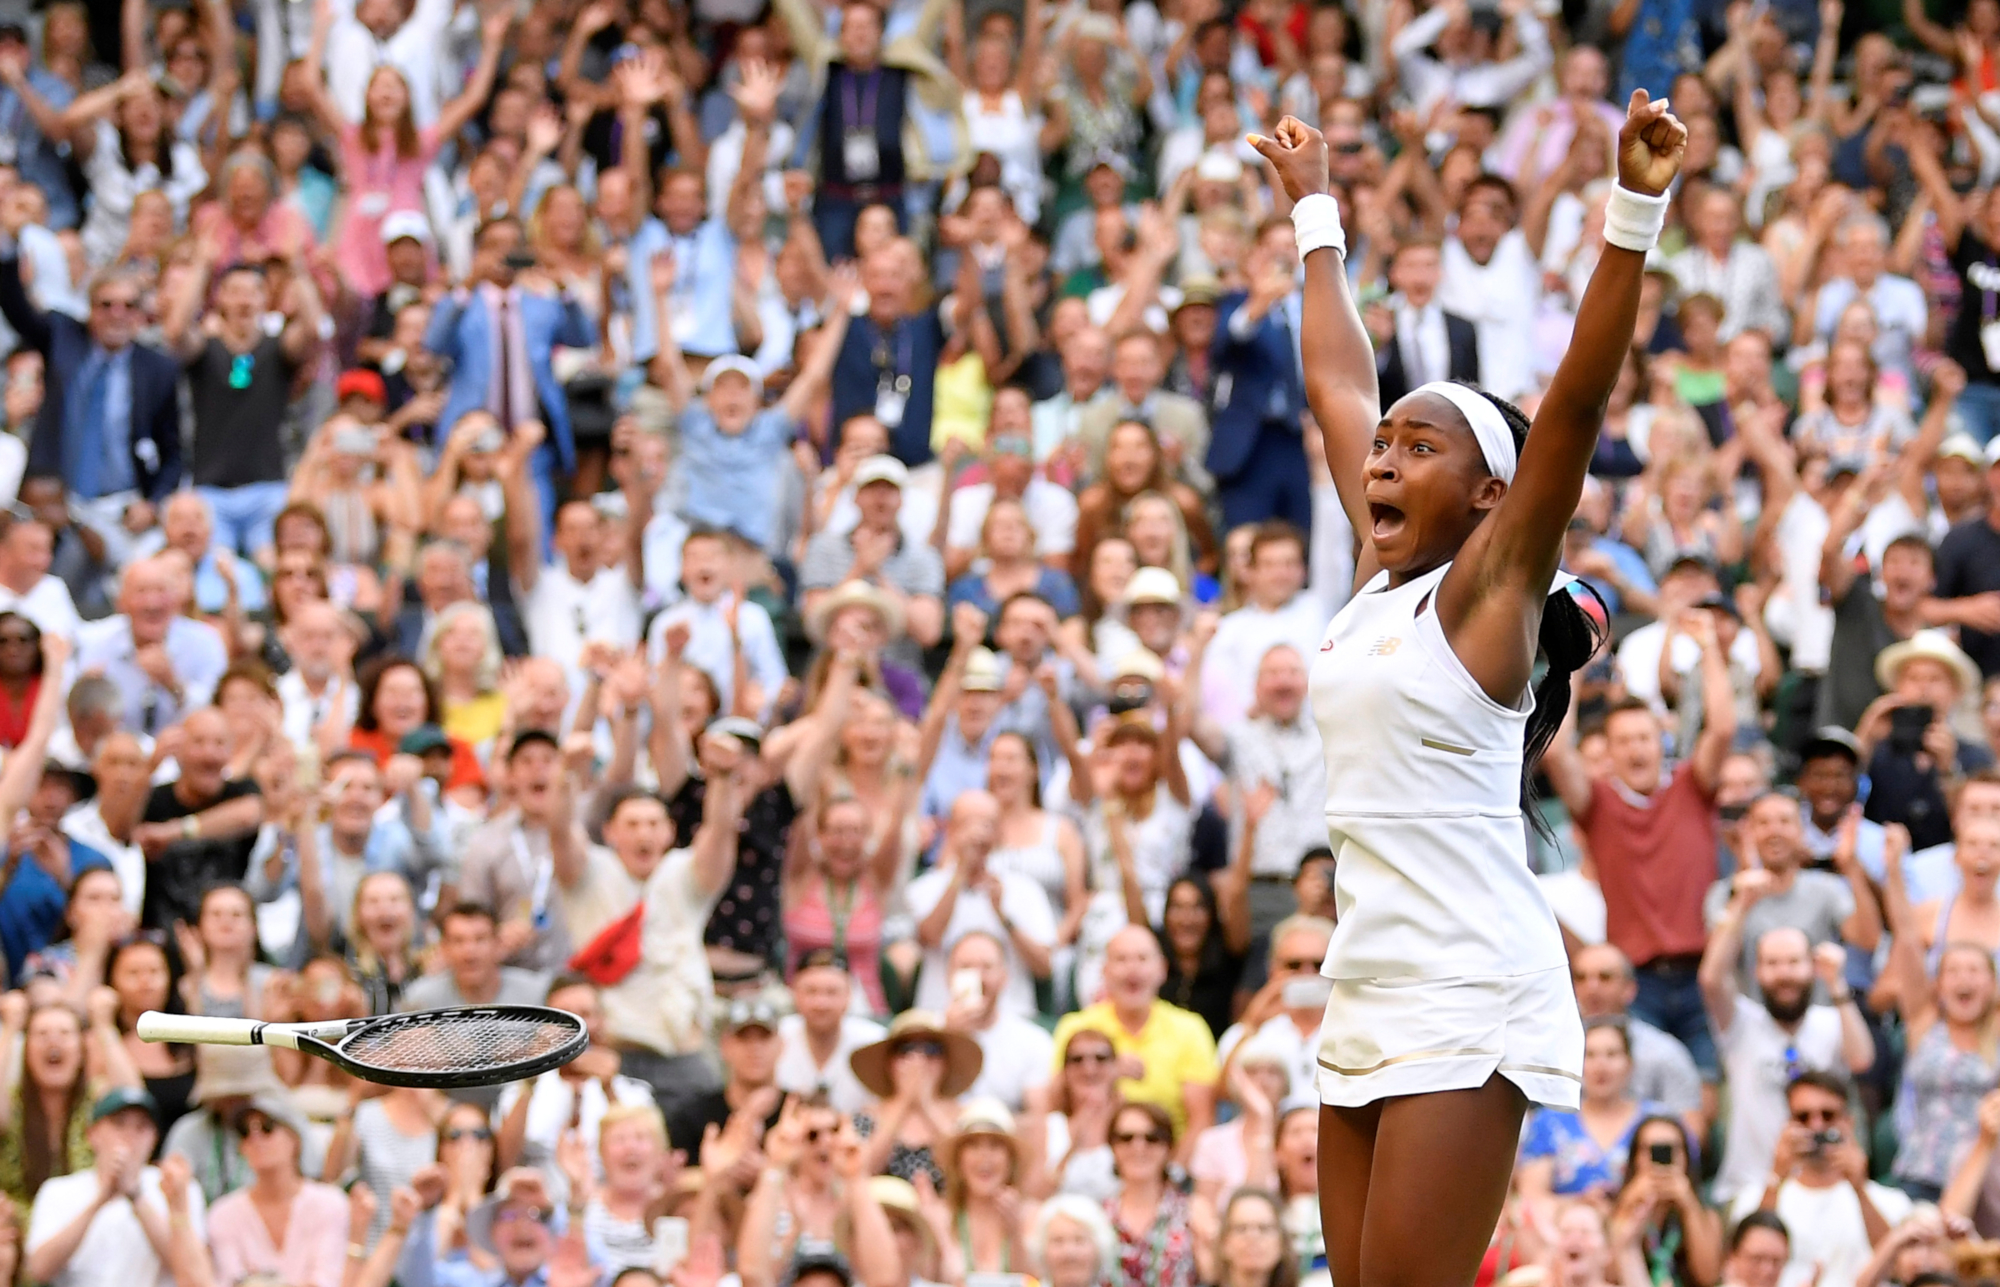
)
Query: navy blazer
[
  {"x": 65, "y": 345},
  {"x": 1462, "y": 359},
  {"x": 1244, "y": 374}
]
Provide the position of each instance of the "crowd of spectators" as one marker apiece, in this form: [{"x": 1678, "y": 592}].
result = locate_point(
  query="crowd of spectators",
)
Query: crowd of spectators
[{"x": 793, "y": 532}]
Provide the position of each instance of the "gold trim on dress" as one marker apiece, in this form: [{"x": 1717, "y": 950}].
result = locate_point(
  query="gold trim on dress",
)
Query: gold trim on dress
[
  {"x": 1460, "y": 1052},
  {"x": 1447, "y": 747},
  {"x": 1543, "y": 1068}
]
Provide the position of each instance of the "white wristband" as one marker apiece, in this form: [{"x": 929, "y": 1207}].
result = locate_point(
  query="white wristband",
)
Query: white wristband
[
  {"x": 1316, "y": 224},
  {"x": 1632, "y": 220}
]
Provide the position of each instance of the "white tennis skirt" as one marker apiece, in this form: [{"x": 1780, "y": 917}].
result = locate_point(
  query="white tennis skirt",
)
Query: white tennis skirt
[{"x": 1387, "y": 1037}]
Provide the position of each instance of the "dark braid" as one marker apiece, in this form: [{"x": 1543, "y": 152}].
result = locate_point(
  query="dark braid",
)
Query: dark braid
[{"x": 1569, "y": 637}]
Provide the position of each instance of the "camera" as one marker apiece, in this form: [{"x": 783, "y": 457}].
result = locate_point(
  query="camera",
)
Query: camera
[
  {"x": 1129, "y": 695},
  {"x": 1826, "y": 1139},
  {"x": 1661, "y": 1154},
  {"x": 520, "y": 261},
  {"x": 1906, "y": 728}
]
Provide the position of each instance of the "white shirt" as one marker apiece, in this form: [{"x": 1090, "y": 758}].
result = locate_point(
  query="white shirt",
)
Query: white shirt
[
  {"x": 1639, "y": 660},
  {"x": 1755, "y": 1066},
  {"x": 1487, "y": 84},
  {"x": 415, "y": 49},
  {"x": 1051, "y": 514},
  {"x": 1422, "y": 342},
  {"x": 1242, "y": 637},
  {"x": 1027, "y": 906},
  {"x": 1794, "y": 614},
  {"x": 303, "y": 712},
  {"x": 564, "y": 613},
  {"x": 1055, "y": 420},
  {"x": 1281, "y": 1037},
  {"x": 1500, "y": 298},
  {"x": 1829, "y": 1236},
  {"x": 556, "y": 1105},
  {"x": 666, "y": 1003},
  {"x": 115, "y": 1251},
  {"x": 47, "y": 603},
  {"x": 1018, "y": 1055},
  {"x": 85, "y": 825},
  {"x": 800, "y": 1074},
  {"x": 709, "y": 646},
  {"x": 916, "y": 517}
]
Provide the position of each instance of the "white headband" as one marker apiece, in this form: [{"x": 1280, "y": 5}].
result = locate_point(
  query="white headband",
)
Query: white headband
[{"x": 1489, "y": 427}]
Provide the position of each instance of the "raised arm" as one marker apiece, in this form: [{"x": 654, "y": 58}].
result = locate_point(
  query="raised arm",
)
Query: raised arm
[
  {"x": 458, "y": 113},
  {"x": 1504, "y": 570},
  {"x": 816, "y": 372},
  {"x": 1717, "y": 974},
  {"x": 1334, "y": 347}
]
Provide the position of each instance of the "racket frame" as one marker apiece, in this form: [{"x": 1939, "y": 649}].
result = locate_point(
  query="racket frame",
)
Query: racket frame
[{"x": 325, "y": 1041}]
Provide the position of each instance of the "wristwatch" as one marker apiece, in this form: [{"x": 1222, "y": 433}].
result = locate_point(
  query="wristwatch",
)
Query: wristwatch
[{"x": 191, "y": 827}]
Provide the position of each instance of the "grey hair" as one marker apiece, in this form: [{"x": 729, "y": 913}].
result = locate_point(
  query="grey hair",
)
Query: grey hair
[
  {"x": 248, "y": 157},
  {"x": 1299, "y": 924},
  {"x": 1081, "y": 1210},
  {"x": 1865, "y": 219},
  {"x": 95, "y": 695},
  {"x": 488, "y": 676}
]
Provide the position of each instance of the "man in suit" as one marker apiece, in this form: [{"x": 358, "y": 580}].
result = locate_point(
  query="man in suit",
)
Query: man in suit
[
  {"x": 1417, "y": 341},
  {"x": 110, "y": 423},
  {"x": 500, "y": 331},
  {"x": 1255, "y": 452},
  {"x": 1137, "y": 368}
]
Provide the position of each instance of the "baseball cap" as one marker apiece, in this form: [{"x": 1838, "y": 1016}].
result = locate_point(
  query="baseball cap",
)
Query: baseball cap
[
  {"x": 405, "y": 223},
  {"x": 881, "y": 469},
  {"x": 738, "y": 727},
  {"x": 423, "y": 739},
  {"x": 1831, "y": 740},
  {"x": 751, "y": 1012},
  {"x": 1219, "y": 165},
  {"x": 1719, "y": 603},
  {"x": 120, "y": 1098},
  {"x": 982, "y": 672},
  {"x": 732, "y": 364},
  {"x": 358, "y": 383},
  {"x": 1962, "y": 446}
]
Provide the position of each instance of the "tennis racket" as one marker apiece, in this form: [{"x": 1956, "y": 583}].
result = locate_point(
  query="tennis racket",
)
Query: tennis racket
[{"x": 445, "y": 1049}]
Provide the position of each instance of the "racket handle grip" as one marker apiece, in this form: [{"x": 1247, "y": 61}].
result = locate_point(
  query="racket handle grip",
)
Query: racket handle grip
[{"x": 201, "y": 1029}]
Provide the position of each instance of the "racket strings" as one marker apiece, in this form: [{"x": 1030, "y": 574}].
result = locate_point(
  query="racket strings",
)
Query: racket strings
[{"x": 457, "y": 1042}]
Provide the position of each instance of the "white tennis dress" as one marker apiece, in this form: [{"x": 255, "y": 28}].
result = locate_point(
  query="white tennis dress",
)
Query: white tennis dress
[{"x": 1447, "y": 963}]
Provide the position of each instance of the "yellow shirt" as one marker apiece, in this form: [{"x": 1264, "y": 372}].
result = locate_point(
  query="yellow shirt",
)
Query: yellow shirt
[
  {"x": 478, "y": 721},
  {"x": 1175, "y": 1046}
]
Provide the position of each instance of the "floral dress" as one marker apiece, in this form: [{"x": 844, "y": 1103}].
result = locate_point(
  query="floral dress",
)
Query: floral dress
[{"x": 1161, "y": 1255}]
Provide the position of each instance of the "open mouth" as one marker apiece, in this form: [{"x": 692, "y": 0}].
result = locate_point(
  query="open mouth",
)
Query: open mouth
[{"x": 1384, "y": 520}]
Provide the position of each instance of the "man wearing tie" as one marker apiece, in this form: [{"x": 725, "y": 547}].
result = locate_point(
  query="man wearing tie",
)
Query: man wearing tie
[
  {"x": 1423, "y": 343},
  {"x": 110, "y": 423},
  {"x": 500, "y": 331},
  {"x": 1255, "y": 453}
]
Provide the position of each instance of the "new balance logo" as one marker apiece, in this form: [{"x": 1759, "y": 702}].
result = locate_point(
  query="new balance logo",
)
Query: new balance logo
[{"x": 1384, "y": 646}]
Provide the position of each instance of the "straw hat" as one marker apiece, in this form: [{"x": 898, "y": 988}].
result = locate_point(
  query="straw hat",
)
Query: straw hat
[
  {"x": 898, "y": 1197},
  {"x": 962, "y": 1056},
  {"x": 851, "y": 594},
  {"x": 983, "y": 1116},
  {"x": 1927, "y": 645}
]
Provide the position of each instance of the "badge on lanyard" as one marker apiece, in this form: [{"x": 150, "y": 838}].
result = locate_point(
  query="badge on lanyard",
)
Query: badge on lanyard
[
  {"x": 892, "y": 382},
  {"x": 860, "y": 155}
]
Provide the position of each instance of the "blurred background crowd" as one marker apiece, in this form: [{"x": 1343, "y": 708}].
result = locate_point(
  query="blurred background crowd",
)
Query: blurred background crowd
[{"x": 792, "y": 531}]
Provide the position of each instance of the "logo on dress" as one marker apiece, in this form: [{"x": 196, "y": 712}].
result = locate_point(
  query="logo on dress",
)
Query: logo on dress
[{"x": 1385, "y": 646}]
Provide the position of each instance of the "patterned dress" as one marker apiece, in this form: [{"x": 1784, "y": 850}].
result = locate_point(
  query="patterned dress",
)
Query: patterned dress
[{"x": 1161, "y": 1255}]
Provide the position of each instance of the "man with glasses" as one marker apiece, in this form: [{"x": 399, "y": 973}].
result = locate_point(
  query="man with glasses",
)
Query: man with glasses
[
  {"x": 1764, "y": 1046},
  {"x": 748, "y": 1043},
  {"x": 1286, "y": 1012},
  {"x": 110, "y": 423},
  {"x": 1017, "y": 1051},
  {"x": 1819, "y": 1186}
]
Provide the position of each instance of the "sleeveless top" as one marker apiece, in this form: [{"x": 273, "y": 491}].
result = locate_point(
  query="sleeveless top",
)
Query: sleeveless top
[
  {"x": 1937, "y": 1106},
  {"x": 1041, "y": 862},
  {"x": 1935, "y": 954},
  {"x": 811, "y": 924},
  {"x": 1423, "y": 801}
]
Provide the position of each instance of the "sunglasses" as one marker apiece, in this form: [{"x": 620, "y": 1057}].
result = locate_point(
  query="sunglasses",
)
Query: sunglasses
[
  {"x": 1089, "y": 1057},
  {"x": 1816, "y": 1116},
  {"x": 479, "y": 1133},
  {"x": 509, "y": 1215},
  {"x": 114, "y": 304},
  {"x": 1138, "y": 1137},
  {"x": 252, "y": 1127},
  {"x": 929, "y": 1049},
  {"x": 1298, "y": 966}
]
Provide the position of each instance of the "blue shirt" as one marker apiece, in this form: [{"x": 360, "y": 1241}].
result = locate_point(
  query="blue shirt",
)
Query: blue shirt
[
  {"x": 31, "y": 153},
  {"x": 731, "y": 479},
  {"x": 211, "y": 594},
  {"x": 1581, "y": 1165},
  {"x": 31, "y": 909},
  {"x": 97, "y": 429},
  {"x": 1053, "y": 586},
  {"x": 704, "y": 276},
  {"x": 1631, "y": 565},
  {"x": 197, "y": 654}
]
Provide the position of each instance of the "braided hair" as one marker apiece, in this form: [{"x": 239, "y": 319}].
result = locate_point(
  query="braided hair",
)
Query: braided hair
[{"x": 1568, "y": 638}]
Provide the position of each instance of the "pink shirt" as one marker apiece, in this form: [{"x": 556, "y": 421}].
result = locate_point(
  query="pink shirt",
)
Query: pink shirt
[
  {"x": 315, "y": 1250},
  {"x": 378, "y": 184}
]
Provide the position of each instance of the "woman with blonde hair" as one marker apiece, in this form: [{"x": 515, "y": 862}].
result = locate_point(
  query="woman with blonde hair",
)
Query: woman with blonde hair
[
  {"x": 382, "y": 939},
  {"x": 631, "y": 1151},
  {"x": 1158, "y": 533},
  {"x": 1678, "y": 509},
  {"x": 1135, "y": 466},
  {"x": 1071, "y": 1139},
  {"x": 1007, "y": 549},
  {"x": 462, "y": 657}
]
